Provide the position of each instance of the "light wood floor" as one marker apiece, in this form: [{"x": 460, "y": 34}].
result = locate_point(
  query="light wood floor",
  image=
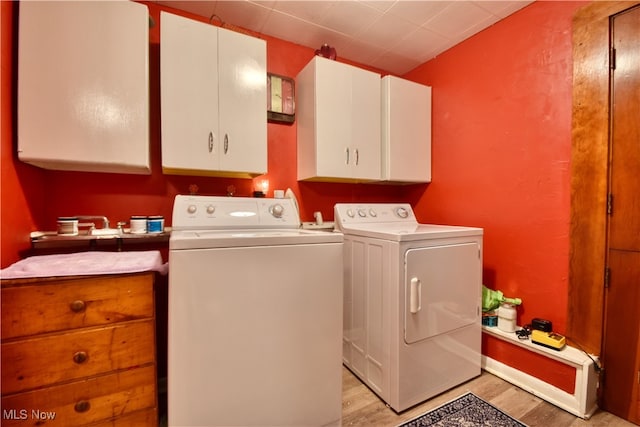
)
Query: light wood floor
[{"x": 361, "y": 407}]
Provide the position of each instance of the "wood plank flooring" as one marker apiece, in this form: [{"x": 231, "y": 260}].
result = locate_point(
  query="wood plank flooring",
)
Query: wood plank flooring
[{"x": 361, "y": 407}]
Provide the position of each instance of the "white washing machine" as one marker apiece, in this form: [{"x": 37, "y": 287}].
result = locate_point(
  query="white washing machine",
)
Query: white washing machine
[
  {"x": 255, "y": 315},
  {"x": 412, "y": 302}
]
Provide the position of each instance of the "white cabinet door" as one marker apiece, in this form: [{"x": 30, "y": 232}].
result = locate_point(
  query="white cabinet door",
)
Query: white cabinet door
[
  {"x": 83, "y": 86},
  {"x": 406, "y": 131},
  {"x": 332, "y": 140},
  {"x": 189, "y": 94},
  {"x": 242, "y": 70},
  {"x": 213, "y": 100},
  {"x": 365, "y": 134},
  {"x": 338, "y": 122}
]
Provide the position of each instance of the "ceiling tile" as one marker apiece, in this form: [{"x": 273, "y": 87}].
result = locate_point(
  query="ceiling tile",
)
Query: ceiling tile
[
  {"x": 392, "y": 35},
  {"x": 417, "y": 12},
  {"x": 421, "y": 44},
  {"x": 358, "y": 50},
  {"x": 311, "y": 11},
  {"x": 386, "y": 31},
  {"x": 252, "y": 15},
  {"x": 456, "y": 19},
  {"x": 350, "y": 17},
  {"x": 381, "y": 5},
  {"x": 502, "y": 8}
]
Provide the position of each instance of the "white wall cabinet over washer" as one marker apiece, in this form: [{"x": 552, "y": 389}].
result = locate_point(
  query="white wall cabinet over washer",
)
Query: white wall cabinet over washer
[
  {"x": 406, "y": 131},
  {"x": 338, "y": 113},
  {"x": 213, "y": 94},
  {"x": 83, "y": 86}
]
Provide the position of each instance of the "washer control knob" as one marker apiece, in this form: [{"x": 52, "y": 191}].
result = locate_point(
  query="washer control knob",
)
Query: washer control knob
[
  {"x": 362, "y": 213},
  {"x": 373, "y": 213},
  {"x": 277, "y": 210},
  {"x": 350, "y": 213},
  {"x": 211, "y": 209},
  {"x": 402, "y": 213},
  {"x": 192, "y": 209}
]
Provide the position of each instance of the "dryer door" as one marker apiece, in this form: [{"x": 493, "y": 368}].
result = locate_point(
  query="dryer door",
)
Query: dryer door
[{"x": 442, "y": 289}]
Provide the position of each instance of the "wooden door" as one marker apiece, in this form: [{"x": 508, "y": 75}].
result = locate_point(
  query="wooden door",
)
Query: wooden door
[{"x": 622, "y": 319}]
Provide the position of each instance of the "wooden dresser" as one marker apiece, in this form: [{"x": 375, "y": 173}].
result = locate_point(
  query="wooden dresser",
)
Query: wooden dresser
[{"x": 79, "y": 350}]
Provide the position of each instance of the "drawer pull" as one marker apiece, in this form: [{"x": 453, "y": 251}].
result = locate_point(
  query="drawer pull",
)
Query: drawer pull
[
  {"x": 78, "y": 306},
  {"x": 82, "y": 406},
  {"x": 80, "y": 357}
]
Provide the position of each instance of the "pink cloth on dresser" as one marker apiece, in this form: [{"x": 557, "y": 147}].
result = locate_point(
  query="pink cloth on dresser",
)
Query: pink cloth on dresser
[{"x": 85, "y": 263}]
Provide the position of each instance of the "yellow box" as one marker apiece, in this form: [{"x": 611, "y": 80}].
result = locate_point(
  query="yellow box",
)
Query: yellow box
[{"x": 548, "y": 339}]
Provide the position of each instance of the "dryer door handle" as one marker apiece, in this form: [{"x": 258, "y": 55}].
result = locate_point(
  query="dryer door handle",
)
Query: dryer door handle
[{"x": 415, "y": 295}]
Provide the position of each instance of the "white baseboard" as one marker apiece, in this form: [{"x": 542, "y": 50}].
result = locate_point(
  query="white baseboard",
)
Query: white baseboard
[{"x": 583, "y": 401}]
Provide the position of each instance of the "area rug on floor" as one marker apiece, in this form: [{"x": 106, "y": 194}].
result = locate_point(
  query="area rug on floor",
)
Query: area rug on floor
[{"x": 467, "y": 410}]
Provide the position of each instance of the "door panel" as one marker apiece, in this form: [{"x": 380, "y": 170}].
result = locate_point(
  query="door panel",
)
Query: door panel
[
  {"x": 442, "y": 290},
  {"x": 621, "y": 339},
  {"x": 622, "y": 321},
  {"x": 625, "y": 150}
]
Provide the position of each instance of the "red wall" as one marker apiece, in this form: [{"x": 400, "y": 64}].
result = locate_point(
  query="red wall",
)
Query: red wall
[
  {"x": 501, "y": 141},
  {"x": 501, "y": 149}
]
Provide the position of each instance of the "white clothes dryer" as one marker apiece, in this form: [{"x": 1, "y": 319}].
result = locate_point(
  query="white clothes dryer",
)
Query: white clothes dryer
[
  {"x": 255, "y": 316},
  {"x": 412, "y": 302}
]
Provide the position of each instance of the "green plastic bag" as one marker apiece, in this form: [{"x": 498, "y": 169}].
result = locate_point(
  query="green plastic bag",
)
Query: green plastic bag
[{"x": 492, "y": 299}]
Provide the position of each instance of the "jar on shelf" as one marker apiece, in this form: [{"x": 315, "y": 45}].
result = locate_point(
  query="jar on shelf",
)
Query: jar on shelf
[{"x": 507, "y": 317}]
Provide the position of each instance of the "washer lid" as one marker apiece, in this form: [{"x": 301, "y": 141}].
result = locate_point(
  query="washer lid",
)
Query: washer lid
[{"x": 204, "y": 239}]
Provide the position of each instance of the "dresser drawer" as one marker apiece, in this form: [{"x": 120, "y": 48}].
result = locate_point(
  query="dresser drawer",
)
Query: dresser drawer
[
  {"x": 147, "y": 417},
  {"x": 53, "y": 358},
  {"x": 32, "y": 307},
  {"x": 130, "y": 394}
]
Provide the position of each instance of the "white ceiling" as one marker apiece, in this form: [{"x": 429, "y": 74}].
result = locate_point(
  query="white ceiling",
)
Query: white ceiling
[{"x": 392, "y": 35}]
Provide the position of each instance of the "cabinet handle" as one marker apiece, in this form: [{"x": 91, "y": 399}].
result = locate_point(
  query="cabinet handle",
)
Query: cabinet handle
[
  {"x": 78, "y": 306},
  {"x": 210, "y": 142},
  {"x": 80, "y": 357},
  {"x": 357, "y": 157},
  {"x": 226, "y": 143},
  {"x": 347, "y": 151},
  {"x": 82, "y": 406}
]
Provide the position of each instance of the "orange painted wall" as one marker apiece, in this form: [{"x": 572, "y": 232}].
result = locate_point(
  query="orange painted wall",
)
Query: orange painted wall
[
  {"x": 501, "y": 149},
  {"x": 501, "y": 141}
]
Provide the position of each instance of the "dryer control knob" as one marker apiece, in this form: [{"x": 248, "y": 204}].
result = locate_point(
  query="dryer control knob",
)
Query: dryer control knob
[
  {"x": 350, "y": 213},
  {"x": 277, "y": 210},
  {"x": 362, "y": 213},
  {"x": 373, "y": 213},
  {"x": 211, "y": 209},
  {"x": 402, "y": 212}
]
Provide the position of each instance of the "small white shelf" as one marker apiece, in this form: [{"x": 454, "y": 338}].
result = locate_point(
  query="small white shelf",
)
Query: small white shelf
[
  {"x": 582, "y": 402},
  {"x": 568, "y": 355}
]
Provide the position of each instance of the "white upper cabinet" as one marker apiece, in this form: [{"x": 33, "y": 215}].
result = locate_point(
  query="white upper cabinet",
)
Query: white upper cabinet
[
  {"x": 338, "y": 113},
  {"x": 213, "y": 99},
  {"x": 83, "y": 86},
  {"x": 406, "y": 131}
]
